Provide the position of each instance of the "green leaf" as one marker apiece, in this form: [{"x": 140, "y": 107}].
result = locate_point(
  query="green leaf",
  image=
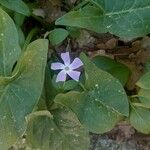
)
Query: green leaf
[
  {"x": 57, "y": 36},
  {"x": 124, "y": 18},
  {"x": 20, "y": 93},
  {"x": 59, "y": 131},
  {"x": 9, "y": 44},
  {"x": 17, "y": 5},
  {"x": 64, "y": 86},
  {"x": 139, "y": 119},
  {"x": 21, "y": 37},
  {"x": 74, "y": 32},
  {"x": 93, "y": 114},
  {"x": 116, "y": 69},
  {"x": 19, "y": 19},
  {"x": 107, "y": 88},
  {"x": 50, "y": 91},
  {"x": 144, "y": 97},
  {"x": 144, "y": 81},
  {"x": 100, "y": 105}
]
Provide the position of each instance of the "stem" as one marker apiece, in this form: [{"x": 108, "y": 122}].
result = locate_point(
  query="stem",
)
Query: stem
[
  {"x": 82, "y": 86},
  {"x": 134, "y": 96},
  {"x": 29, "y": 38},
  {"x": 38, "y": 19},
  {"x": 81, "y": 5},
  {"x": 140, "y": 105},
  {"x": 68, "y": 49},
  {"x": 101, "y": 8}
]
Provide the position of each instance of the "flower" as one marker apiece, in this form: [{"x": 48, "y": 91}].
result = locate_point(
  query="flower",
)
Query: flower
[{"x": 67, "y": 68}]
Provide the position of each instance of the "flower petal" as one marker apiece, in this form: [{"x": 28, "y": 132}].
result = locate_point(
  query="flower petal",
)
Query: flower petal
[
  {"x": 76, "y": 64},
  {"x": 66, "y": 58},
  {"x": 74, "y": 75},
  {"x": 61, "y": 76},
  {"x": 57, "y": 66}
]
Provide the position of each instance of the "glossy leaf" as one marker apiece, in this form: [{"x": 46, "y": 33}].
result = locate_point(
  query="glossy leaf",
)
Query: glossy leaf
[
  {"x": 17, "y": 5},
  {"x": 116, "y": 69},
  {"x": 20, "y": 93},
  {"x": 57, "y": 36},
  {"x": 124, "y": 18},
  {"x": 100, "y": 105},
  {"x": 139, "y": 119},
  {"x": 9, "y": 53},
  {"x": 61, "y": 130}
]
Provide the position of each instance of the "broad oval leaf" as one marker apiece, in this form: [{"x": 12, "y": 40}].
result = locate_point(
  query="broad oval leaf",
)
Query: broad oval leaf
[
  {"x": 17, "y": 5},
  {"x": 98, "y": 107},
  {"x": 124, "y": 18},
  {"x": 59, "y": 131},
  {"x": 118, "y": 70},
  {"x": 9, "y": 44},
  {"x": 20, "y": 94},
  {"x": 57, "y": 36},
  {"x": 139, "y": 119},
  {"x": 95, "y": 116},
  {"x": 105, "y": 87}
]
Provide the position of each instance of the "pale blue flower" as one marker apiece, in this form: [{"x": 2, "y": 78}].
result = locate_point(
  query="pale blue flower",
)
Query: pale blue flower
[{"x": 67, "y": 68}]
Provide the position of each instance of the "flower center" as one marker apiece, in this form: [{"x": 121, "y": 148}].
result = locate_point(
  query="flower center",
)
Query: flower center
[{"x": 67, "y": 68}]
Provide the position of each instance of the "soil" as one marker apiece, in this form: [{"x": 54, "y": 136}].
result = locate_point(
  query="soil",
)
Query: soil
[{"x": 122, "y": 137}]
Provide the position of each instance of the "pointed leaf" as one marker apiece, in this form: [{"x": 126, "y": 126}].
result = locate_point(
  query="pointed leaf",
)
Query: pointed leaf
[
  {"x": 20, "y": 93},
  {"x": 17, "y": 5},
  {"x": 57, "y": 36},
  {"x": 124, "y": 18}
]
